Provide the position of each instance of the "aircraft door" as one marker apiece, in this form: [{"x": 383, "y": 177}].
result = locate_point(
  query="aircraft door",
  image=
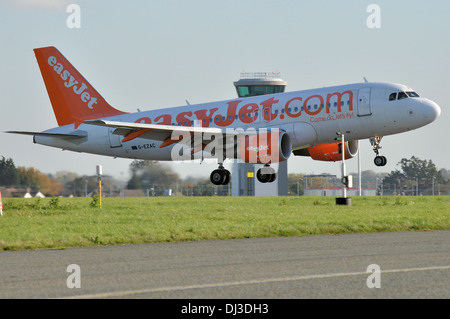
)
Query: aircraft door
[
  {"x": 114, "y": 140},
  {"x": 266, "y": 113},
  {"x": 364, "y": 102}
]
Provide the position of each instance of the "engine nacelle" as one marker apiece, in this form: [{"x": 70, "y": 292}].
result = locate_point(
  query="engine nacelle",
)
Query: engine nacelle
[
  {"x": 330, "y": 152},
  {"x": 265, "y": 148}
]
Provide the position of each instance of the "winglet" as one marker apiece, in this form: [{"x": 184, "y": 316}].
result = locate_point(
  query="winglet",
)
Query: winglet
[{"x": 73, "y": 99}]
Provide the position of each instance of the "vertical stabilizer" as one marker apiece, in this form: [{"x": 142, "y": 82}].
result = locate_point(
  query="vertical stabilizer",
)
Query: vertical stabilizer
[{"x": 73, "y": 99}]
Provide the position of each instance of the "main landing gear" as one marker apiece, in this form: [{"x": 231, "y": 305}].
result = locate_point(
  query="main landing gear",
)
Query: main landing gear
[
  {"x": 220, "y": 176},
  {"x": 266, "y": 174},
  {"x": 379, "y": 160}
]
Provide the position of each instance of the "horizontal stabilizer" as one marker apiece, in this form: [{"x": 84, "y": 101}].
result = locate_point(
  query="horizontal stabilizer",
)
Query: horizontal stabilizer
[{"x": 57, "y": 135}]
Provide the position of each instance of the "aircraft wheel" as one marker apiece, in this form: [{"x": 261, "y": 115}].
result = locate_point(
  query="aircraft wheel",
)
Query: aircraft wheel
[
  {"x": 217, "y": 176},
  {"x": 380, "y": 161},
  {"x": 220, "y": 177},
  {"x": 266, "y": 175},
  {"x": 273, "y": 177},
  {"x": 227, "y": 177}
]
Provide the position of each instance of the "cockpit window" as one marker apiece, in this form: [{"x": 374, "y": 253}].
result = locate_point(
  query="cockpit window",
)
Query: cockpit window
[
  {"x": 402, "y": 95},
  {"x": 412, "y": 94}
]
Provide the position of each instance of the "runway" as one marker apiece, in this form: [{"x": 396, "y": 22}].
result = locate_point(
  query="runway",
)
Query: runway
[{"x": 412, "y": 265}]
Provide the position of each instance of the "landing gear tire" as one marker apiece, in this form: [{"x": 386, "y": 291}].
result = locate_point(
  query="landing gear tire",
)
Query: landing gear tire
[
  {"x": 380, "y": 161},
  {"x": 266, "y": 175},
  {"x": 220, "y": 176},
  {"x": 227, "y": 178}
]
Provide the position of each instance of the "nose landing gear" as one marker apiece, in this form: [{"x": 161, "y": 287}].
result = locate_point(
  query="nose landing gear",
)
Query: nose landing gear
[{"x": 379, "y": 160}]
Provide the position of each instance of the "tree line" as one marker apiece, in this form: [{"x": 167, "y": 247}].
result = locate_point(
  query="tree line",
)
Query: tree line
[
  {"x": 413, "y": 177},
  {"x": 10, "y": 176},
  {"x": 59, "y": 184},
  {"x": 416, "y": 177}
]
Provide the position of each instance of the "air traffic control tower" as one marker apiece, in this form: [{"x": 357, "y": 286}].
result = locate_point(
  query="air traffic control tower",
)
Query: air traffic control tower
[{"x": 244, "y": 181}]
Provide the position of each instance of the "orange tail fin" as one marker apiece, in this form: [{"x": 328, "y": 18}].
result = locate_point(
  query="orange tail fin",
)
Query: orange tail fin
[{"x": 73, "y": 99}]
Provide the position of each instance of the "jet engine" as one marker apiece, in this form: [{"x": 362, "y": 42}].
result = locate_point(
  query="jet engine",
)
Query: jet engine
[
  {"x": 330, "y": 151},
  {"x": 268, "y": 147}
]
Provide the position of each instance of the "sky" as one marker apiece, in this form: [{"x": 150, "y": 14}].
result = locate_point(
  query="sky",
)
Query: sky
[{"x": 157, "y": 54}]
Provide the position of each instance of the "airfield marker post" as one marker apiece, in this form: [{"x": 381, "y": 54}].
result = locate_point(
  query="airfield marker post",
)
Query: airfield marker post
[
  {"x": 344, "y": 187},
  {"x": 346, "y": 180},
  {"x": 99, "y": 174}
]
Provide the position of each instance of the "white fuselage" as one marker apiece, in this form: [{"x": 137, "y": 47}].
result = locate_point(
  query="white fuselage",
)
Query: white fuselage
[{"x": 310, "y": 117}]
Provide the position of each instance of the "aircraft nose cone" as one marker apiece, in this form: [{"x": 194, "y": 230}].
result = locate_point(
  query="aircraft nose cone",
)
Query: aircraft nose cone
[{"x": 431, "y": 111}]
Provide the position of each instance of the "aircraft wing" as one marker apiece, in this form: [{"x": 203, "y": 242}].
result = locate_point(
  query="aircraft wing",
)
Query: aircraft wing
[
  {"x": 131, "y": 130},
  {"x": 154, "y": 127}
]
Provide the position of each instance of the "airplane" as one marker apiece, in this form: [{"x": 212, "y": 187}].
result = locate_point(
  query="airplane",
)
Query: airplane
[{"x": 262, "y": 129}]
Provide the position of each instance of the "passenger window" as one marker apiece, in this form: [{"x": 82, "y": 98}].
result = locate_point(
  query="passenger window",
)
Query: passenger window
[
  {"x": 402, "y": 95},
  {"x": 392, "y": 96}
]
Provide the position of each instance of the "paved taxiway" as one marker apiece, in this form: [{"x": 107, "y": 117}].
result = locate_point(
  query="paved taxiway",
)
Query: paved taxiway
[{"x": 413, "y": 265}]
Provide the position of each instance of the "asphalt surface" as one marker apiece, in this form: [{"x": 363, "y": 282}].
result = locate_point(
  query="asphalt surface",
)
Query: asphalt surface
[{"x": 412, "y": 265}]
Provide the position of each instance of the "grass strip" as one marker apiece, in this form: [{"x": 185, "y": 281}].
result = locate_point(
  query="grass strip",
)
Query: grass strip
[{"x": 74, "y": 222}]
